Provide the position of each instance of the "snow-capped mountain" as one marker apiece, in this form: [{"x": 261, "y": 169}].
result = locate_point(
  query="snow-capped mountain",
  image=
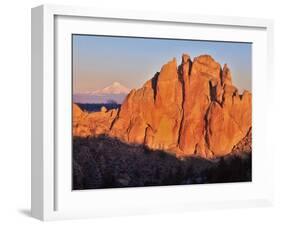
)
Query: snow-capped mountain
[
  {"x": 115, "y": 92},
  {"x": 114, "y": 88}
]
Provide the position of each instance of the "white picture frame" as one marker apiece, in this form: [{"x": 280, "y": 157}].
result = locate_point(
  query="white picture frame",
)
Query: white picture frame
[{"x": 52, "y": 197}]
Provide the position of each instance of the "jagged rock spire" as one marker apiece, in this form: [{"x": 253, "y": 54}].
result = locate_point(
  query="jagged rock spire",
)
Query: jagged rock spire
[
  {"x": 226, "y": 78},
  {"x": 193, "y": 109}
]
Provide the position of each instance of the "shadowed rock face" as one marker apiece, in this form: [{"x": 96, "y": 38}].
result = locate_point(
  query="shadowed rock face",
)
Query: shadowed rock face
[{"x": 190, "y": 109}]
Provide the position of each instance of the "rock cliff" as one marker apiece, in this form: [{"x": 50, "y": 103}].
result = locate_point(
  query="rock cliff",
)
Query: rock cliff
[{"x": 190, "y": 109}]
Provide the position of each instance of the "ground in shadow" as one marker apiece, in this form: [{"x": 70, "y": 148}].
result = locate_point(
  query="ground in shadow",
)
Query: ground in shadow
[{"x": 104, "y": 162}]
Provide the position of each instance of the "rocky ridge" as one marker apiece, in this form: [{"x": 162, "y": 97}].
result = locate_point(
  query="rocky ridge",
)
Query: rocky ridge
[{"x": 192, "y": 109}]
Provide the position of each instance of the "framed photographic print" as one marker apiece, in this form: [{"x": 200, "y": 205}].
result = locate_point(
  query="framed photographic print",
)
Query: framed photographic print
[{"x": 137, "y": 112}]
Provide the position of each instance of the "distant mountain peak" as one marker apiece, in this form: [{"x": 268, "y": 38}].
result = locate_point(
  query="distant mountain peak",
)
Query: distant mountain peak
[
  {"x": 115, "y": 92},
  {"x": 191, "y": 109},
  {"x": 116, "y": 84},
  {"x": 114, "y": 88}
]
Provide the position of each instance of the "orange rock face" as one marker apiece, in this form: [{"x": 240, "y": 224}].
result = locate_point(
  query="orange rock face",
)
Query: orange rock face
[
  {"x": 190, "y": 109},
  {"x": 91, "y": 124}
]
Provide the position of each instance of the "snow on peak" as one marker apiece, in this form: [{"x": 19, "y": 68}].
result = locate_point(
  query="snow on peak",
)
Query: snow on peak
[
  {"x": 116, "y": 84},
  {"x": 114, "y": 88}
]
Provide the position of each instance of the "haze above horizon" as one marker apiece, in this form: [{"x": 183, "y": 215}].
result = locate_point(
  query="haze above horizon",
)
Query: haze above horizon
[{"x": 98, "y": 61}]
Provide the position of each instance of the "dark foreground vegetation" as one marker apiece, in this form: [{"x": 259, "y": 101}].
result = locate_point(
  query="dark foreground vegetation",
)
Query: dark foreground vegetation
[{"x": 104, "y": 162}]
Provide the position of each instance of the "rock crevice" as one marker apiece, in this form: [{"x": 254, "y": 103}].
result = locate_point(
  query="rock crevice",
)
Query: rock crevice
[{"x": 190, "y": 109}]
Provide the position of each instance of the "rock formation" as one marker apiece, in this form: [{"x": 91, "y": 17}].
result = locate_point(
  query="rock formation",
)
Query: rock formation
[
  {"x": 91, "y": 124},
  {"x": 190, "y": 109}
]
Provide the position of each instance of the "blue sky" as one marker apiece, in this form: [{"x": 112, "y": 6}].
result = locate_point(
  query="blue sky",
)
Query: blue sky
[{"x": 98, "y": 61}]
